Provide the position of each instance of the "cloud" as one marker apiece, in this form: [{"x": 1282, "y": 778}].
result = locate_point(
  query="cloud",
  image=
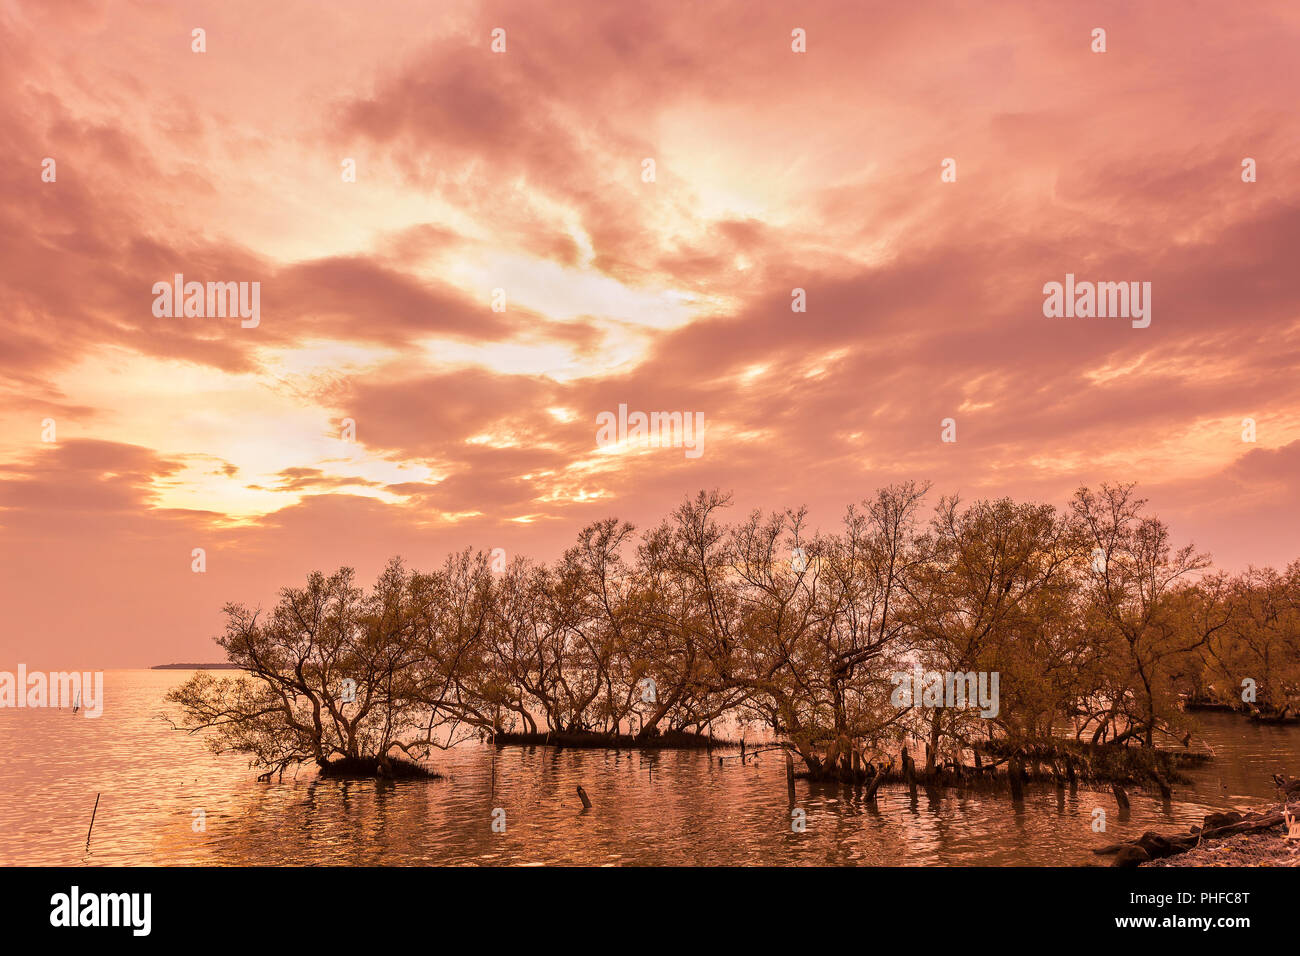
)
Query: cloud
[{"x": 523, "y": 172}]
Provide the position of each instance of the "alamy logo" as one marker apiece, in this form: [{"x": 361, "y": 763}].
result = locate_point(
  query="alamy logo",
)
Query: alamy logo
[
  {"x": 1102, "y": 300},
  {"x": 82, "y": 691},
  {"x": 947, "y": 689},
  {"x": 102, "y": 909},
  {"x": 657, "y": 430},
  {"x": 213, "y": 300}
]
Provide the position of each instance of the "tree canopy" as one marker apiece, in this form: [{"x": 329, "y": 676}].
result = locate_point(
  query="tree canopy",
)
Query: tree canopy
[{"x": 1099, "y": 627}]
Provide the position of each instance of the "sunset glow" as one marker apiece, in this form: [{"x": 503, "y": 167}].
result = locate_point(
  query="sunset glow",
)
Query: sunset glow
[{"x": 474, "y": 172}]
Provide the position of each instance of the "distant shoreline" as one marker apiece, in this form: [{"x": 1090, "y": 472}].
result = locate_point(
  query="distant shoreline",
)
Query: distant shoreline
[{"x": 194, "y": 667}]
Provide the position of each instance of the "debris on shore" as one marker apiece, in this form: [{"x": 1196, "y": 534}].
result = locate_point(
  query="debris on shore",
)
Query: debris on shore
[{"x": 1264, "y": 837}]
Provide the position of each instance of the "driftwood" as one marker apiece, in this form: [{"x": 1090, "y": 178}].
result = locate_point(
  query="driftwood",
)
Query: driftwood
[{"x": 1153, "y": 846}]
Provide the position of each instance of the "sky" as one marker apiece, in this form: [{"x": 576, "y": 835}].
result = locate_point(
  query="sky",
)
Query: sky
[{"x": 439, "y": 333}]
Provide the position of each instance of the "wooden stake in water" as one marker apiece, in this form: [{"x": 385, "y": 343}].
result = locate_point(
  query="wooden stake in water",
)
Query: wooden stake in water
[
  {"x": 789, "y": 775},
  {"x": 496, "y": 721},
  {"x": 1120, "y": 796},
  {"x": 92, "y": 821},
  {"x": 582, "y": 795}
]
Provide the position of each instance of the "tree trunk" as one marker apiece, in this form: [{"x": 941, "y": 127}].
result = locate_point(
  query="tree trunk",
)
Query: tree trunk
[
  {"x": 1015, "y": 774},
  {"x": 932, "y": 748}
]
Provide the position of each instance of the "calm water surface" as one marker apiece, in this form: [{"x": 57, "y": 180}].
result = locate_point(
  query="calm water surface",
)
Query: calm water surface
[{"x": 663, "y": 808}]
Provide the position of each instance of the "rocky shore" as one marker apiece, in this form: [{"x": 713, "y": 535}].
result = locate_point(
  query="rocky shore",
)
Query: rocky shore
[
  {"x": 1261, "y": 848},
  {"x": 1269, "y": 836}
]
